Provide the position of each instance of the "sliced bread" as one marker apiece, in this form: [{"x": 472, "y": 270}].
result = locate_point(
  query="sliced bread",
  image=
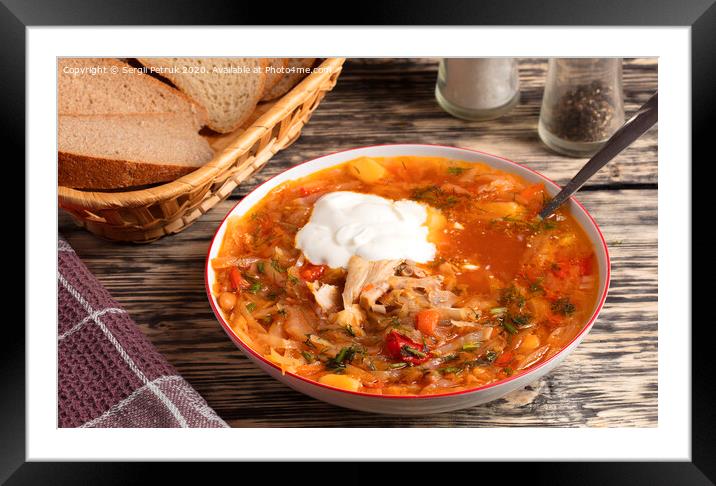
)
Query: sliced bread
[
  {"x": 115, "y": 151},
  {"x": 98, "y": 86},
  {"x": 229, "y": 88},
  {"x": 296, "y": 70},
  {"x": 274, "y": 72}
]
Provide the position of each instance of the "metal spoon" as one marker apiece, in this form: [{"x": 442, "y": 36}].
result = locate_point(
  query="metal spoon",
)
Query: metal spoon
[{"x": 644, "y": 119}]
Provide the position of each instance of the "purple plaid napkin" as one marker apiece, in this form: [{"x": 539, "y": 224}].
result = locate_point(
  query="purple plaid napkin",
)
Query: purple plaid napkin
[{"x": 109, "y": 374}]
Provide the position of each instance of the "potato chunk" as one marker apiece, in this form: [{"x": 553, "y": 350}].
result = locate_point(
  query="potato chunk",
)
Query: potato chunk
[
  {"x": 367, "y": 170},
  {"x": 503, "y": 209},
  {"x": 529, "y": 343},
  {"x": 436, "y": 223},
  {"x": 436, "y": 220},
  {"x": 340, "y": 381}
]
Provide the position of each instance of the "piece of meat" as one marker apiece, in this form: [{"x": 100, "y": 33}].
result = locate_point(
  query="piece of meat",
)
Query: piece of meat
[
  {"x": 367, "y": 276},
  {"x": 375, "y": 286},
  {"x": 376, "y": 283},
  {"x": 432, "y": 286},
  {"x": 357, "y": 273},
  {"x": 327, "y": 296},
  {"x": 369, "y": 296},
  {"x": 408, "y": 301},
  {"x": 431, "y": 283},
  {"x": 409, "y": 269}
]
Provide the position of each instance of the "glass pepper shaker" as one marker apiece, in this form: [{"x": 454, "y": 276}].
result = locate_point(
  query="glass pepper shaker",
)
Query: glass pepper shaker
[
  {"x": 582, "y": 105},
  {"x": 477, "y": 88}
]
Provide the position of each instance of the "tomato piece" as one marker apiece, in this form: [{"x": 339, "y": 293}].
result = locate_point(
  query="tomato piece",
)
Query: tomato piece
[
  {"x": 427, "y": 320},
  {"x": 393, "y": 342},
  {"x": 532, "y": 197},
  {"x": 505, "y": 358},
  {"x": 310, "y": 272},
  {"x": 585, "y": 266},
  {"x": 405, "y": 349}
]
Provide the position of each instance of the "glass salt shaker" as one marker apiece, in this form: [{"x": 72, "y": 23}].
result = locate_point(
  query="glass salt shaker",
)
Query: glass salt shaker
[
  {"x": 582, "y": 105},
  {"x": 478, "y": 88}
]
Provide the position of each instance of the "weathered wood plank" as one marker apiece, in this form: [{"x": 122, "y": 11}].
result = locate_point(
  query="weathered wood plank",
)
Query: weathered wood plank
[{"x": 610, "y": 380}]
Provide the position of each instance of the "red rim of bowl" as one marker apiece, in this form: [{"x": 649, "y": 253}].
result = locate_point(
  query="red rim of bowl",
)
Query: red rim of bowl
[{"x": 246, "y": 348}]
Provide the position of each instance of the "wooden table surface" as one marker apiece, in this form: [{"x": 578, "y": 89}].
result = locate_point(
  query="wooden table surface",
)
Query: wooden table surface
[{"x": 610, "y": 380}]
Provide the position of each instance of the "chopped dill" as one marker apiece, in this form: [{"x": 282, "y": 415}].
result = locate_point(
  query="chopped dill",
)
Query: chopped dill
[
  {"x": 509, "y": 327},
  {"x": 563, "y": 306},
  {"x": 344, "y": 356},
  {"x": 454, "y": 170},
  {"x": 277, "y": 266}
]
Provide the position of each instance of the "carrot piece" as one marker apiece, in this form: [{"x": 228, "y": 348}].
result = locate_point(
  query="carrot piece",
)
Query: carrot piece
[
  {"x": 309, "y": 272},
  {"x": 427, "y": 320},
  {"x": 504, "y": 358}
]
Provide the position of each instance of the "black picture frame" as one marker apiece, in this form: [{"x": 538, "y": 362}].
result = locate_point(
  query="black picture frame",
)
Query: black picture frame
[{"x": 700, "y": 15}]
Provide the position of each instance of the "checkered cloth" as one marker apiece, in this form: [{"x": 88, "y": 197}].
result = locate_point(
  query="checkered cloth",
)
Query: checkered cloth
[{"x": 109, "y": 373}]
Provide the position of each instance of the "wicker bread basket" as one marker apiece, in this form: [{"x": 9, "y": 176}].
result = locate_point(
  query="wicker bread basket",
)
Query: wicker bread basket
[{"x": 146, "y": 215}]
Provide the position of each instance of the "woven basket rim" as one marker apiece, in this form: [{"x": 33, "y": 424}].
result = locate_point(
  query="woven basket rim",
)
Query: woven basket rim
[{"x": 221, "y": 161}]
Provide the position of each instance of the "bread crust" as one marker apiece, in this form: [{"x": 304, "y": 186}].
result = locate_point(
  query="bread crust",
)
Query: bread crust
[
  {"x": 273, "y": 78},
  {"x": 86, "y": 172}
]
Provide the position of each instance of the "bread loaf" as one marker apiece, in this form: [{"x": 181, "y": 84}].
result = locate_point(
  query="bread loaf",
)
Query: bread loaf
[
  {"x": 274, "y": 72},
  {"x": 98, "y": 86},
  {"x": 296, "y": 71},
  {"x": 115, "y": 151},
  {"x": 229, "y": 88}
]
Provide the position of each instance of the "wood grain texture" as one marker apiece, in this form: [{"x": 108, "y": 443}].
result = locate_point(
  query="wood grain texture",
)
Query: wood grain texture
[{"x": 609, "y": 381}]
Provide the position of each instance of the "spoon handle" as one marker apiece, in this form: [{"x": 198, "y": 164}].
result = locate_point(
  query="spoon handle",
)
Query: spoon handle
[{"x": 644, "y": 119}]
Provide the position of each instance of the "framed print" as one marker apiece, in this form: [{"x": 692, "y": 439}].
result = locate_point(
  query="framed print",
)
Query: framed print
[{"x": 348, "y": 241}]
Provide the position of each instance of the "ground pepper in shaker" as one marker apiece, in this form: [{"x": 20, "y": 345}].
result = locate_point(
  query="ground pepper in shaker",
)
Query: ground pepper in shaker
[
  {"x": 478, "y": 88},
  {"x": 582, "y": 105}
]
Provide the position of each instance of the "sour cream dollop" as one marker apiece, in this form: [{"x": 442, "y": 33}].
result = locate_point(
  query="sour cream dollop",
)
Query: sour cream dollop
[{"x": 346, "y": 223}]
